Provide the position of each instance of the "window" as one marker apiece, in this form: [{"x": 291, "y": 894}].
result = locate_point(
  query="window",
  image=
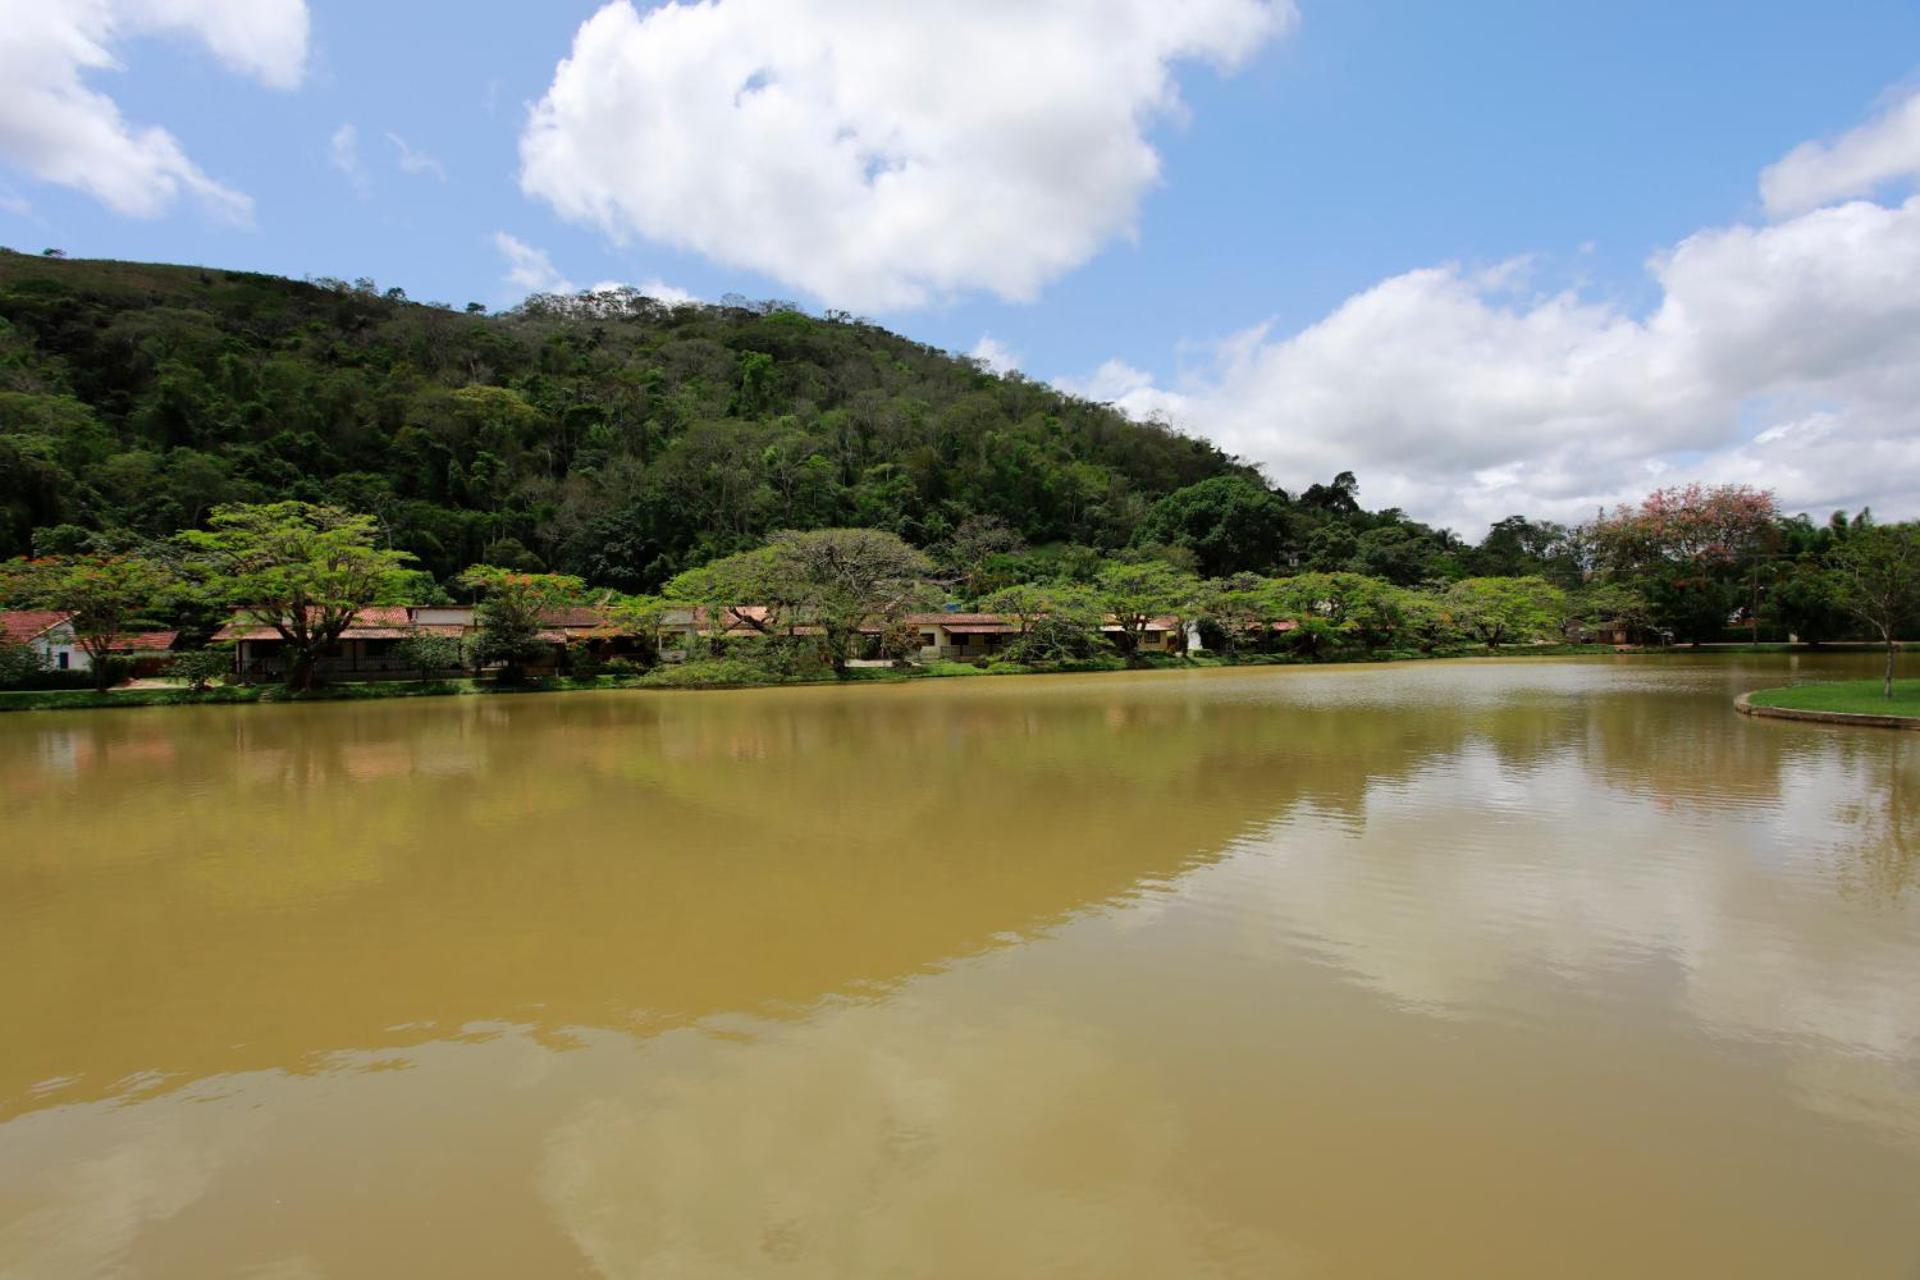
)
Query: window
[
  {"x": 64, "y": 659},
  {"x": 928, "y": 639}
]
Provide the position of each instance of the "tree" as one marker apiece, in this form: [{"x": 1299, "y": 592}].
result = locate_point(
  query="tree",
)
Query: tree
[
  {"x": 429, "y": 651},
  {"x": 511, "y": 615},
  {"x": 1429, "y": 620},
  {"x": 1497, "y": 610},
  {"x": 1876, "y": 574},
  {"x": 19, "y": 663},
  {"x": 1599, "y": 602},
  {"x": 1697, "y": 550},
  {"x": 1134, "y": 594},
  {"x": 305, "y": 570},
  {"x": 1805, "y": 600},
  {"x": 1054, "y": 621},
  {"x": 106, "y": 594},
  {"x": 1240, "y": 606},
  {"x": 845, "y": 579},
  {"x": 1340, "y": 610},
  {"x": 978, "y": 547},
  {"x": 200, "y": 667},
  {"x": 1232, "y": 524}
]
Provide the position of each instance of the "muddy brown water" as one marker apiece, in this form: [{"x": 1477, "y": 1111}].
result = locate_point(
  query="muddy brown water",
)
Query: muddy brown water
[{"x": 1509, "y": 968}]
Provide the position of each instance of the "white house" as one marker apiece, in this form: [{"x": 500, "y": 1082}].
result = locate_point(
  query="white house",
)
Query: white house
[{"x": 49, "y": 632}]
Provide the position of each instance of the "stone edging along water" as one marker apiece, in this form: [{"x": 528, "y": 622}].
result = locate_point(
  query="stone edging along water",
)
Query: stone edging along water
[{"x": 1745, "y": 707}]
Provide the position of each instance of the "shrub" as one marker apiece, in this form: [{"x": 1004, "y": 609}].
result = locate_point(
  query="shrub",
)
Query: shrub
[
  {"x": 711, "y": 673},
  {"x": 428, "y": 651},
  {"x": 19, "y": 664},
  {"x": 200, "y": 667}
]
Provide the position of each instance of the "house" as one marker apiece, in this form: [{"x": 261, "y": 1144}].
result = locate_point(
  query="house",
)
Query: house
[
  {"x": 365, "y": 649},
  {"x": 49, "y": 633},
  {"x": 370, "y": 648},
  {"x": 146, "y": 652}
]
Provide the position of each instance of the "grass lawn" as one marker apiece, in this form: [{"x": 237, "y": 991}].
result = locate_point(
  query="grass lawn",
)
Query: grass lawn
[{"x": 1860, "y": 697}]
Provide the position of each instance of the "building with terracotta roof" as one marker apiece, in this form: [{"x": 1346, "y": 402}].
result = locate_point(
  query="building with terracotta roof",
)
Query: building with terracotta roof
[
  {"x": 49, "y": 633},
  {"x": 370, "y": 648}
]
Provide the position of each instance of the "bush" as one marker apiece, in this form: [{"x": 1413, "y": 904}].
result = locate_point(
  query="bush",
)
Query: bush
[
  {"x": 623, "y": 668},
  {"x": 201, "y": 667},
  {"x": 20, "y": 664},
  {"x": 429, "y": 651},
  {"x": 584, "y": 664},
  {"x": 711, "y": 673}
]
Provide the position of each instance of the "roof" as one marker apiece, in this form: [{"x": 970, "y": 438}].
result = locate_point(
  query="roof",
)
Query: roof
[
  {"x": 955, "y": 619},
  {"x": 22, "y": 625},
  {"x": 143, "y": 642},
  {"x": 371, "y": 622},
  {"x": 574, "y": 616},
  {"x": 982, "y": 629}
]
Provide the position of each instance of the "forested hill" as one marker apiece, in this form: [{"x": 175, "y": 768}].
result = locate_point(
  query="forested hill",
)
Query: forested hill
[{"x": 610, "y": 436}]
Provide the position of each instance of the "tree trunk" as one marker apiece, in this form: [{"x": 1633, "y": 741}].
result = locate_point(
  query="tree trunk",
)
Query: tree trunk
[{"x": 1893, "y": 647}]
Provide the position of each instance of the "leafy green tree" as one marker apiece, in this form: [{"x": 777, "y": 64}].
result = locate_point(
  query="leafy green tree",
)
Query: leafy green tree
[
  {"x": 1805, "y": 600},
  {"x": 510, "y": 615},
  {"x": 845, "y": 579},
  {"x": 108, "y": 595},
  {"x": 1341, "y": 610},
  {"x": 200, "y": 667},
  {"x": 1876, "y": 575},
  {"x": 1134, "y": 594},
  {"x": 19, "y": 663},
  {"x": 1498, "y": 611},
  {"x": 1517, "y": 547},
  {"x": 426, "y": 652},
  {"x": 1232, "y": 524},
  {"x": 1603, "y": 602},
  {"x": 305, "y": 570},
  {"x": 1402, "y": 554},
  {"x": 1427, "y": 619},
  {"x": 1243, "y": 608},
  {"x": 1053, "y": 621}
]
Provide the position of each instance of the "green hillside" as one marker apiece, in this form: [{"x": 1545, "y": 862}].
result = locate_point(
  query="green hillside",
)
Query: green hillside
[{"x": 611, "y": 437}]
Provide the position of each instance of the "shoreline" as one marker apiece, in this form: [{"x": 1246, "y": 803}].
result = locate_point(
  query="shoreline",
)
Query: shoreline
[
  {"x": 277, "y": 695},
  {"x": 1746, "y": 706}
]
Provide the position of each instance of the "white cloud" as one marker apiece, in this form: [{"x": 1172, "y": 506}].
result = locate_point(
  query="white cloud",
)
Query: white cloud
[
  {"x": 875, "y": 155},
  {"x": 529, "y": 269},
  {"x": 660, "y": 291},
  {"x": 415, "y": 162},
  {"x": 1857, "y": 163},
  {"x": 1785, "y": 356},
  {"x": 343, "y": 153},
  {"x": 56, "y": 128},
  {"x": 996, "y": 355}
]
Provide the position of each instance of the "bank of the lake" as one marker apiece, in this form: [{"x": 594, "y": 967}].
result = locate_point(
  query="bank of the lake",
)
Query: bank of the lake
[
  {"x": 723, "y": 674},
  {"x": 1858, "y": 702}
]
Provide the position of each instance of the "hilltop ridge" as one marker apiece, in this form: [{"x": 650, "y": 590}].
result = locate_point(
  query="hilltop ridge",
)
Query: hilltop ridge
[{"x": 608, "y": 435}]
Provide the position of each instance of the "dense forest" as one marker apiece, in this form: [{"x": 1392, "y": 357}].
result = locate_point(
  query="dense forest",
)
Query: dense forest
[
  {"x": 622, "y": 443},
  {"x": 606, "y": 435}
]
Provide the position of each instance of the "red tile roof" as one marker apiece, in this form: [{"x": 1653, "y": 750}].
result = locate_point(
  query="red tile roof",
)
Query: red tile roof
[
  {"x": 22, "y": 625},
  {"x": 144, "y": 642}
]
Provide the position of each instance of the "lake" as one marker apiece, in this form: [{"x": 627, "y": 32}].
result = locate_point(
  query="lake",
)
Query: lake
[{"x": 1472, "y": 969}]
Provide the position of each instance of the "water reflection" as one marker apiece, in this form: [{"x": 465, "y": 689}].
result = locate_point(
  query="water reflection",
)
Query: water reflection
[{"x": 1173, "y": 975}]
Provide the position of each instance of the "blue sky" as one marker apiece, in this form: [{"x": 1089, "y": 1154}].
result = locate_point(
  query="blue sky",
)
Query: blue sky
[{"x": 1525, "y": 163}]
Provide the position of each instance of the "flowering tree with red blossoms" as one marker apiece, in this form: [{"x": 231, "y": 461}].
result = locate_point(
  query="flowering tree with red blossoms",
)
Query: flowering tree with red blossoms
[{"x": 1700, "y": 546}]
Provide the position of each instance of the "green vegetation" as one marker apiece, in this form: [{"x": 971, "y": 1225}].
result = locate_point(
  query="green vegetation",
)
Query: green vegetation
[
  {"x": 177, "y": 444},
  {"x": 1854, "y": 697}
]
